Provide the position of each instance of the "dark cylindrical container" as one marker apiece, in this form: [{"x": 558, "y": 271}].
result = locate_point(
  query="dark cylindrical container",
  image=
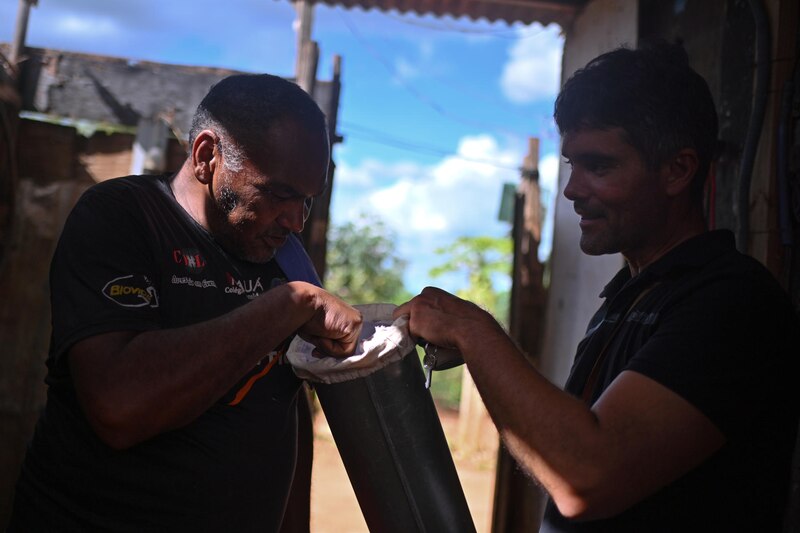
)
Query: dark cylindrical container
[{"x": 393, "y": 447}]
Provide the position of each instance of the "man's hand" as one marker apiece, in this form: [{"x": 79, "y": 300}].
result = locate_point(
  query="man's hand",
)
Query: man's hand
[
  {"x": 335, "y": 326},
  {"x": 438, "y": 316}
]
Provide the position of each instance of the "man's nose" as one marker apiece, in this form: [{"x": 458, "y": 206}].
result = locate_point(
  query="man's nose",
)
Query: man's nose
[{"x": 574, "y": 188}]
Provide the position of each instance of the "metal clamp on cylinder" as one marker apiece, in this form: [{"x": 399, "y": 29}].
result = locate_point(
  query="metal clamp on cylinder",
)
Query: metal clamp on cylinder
[
  {"x": 437, "y": 358},
  {"x": 445, "y": 358}
]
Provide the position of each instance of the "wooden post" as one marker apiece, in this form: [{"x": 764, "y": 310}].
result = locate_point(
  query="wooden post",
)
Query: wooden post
[
  {"x": 309, "y": 59},
  {"x": 303, "y": 25},
  {"x": 315, "y": 233},
  {"x": 527, "y": 295},
  {"x": 21, "y": 30},
  {"x": 518, "y": 501},
  {"x": 314, "y": 238},
  {"x": 10, "y": 104}
]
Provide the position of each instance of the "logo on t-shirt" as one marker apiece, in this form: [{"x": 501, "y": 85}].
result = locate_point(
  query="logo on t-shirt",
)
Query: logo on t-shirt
[
  {"x": 190, "y": 259},
  {"x": 135, "y": 290},
  {"x": 249, "y": 287}
]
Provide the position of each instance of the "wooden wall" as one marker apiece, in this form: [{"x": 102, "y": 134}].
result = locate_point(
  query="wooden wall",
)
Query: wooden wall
[{"x": 55, "y": 165}]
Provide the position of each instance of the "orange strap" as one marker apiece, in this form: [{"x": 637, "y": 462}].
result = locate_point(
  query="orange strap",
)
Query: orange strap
[{"x": 249, "y": 385}]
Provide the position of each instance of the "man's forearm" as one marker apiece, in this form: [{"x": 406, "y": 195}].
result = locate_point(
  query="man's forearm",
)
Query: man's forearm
[
  {"x": 135, "y": 385},
  {"x": 594, "y": 462},
  {"x": 552, "y": 435}
]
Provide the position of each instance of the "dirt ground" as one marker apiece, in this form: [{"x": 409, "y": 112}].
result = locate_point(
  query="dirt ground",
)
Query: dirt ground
[{"x": 334, "y": 508}]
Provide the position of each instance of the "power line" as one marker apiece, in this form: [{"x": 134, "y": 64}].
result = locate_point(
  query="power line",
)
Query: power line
[
  {"x": 416, "y": 93},
  {"x": 377, "y": 137}
]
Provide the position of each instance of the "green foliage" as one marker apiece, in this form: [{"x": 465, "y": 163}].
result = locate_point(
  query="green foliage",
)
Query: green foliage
[
  {"x": 362, "y": 266},
  {"x": 446, "y": 387},
  {"x": 445, "y": 384},
  {"x": 480, "y": 258}
]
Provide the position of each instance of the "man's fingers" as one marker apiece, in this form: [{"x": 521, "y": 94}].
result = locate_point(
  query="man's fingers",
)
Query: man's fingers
[
  {"x": 401, "y": 310},
  {"x": 333, "y": 348}
]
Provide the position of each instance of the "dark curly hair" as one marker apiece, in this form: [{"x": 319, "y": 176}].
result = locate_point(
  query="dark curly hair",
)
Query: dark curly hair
[{"x": 653, "y": 95}]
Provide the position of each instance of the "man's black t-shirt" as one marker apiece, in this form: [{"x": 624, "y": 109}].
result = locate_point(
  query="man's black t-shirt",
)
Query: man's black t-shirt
[
  {"x": 130, "y": 258},
  {"x": 715, "y": 328}
]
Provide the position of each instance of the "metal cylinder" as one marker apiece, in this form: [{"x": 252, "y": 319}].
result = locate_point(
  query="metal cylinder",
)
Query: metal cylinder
[{"x": 391, "y": 441}]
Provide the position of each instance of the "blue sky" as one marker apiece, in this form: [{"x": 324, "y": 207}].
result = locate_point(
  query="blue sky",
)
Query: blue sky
[{"x": 435, "y": 113}]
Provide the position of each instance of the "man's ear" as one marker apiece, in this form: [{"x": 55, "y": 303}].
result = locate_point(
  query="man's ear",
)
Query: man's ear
[
  {"x": 205, "y": 156},
  {"x": 681, "y": 170}
]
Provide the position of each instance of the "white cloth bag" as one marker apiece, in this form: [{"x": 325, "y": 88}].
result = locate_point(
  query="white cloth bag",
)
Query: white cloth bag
[{"x": 382, "y": 342}]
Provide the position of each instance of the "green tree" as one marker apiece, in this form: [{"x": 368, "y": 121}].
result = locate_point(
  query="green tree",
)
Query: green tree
[
  {"x": 362, "y": 264},
  {"x": 481, "y": 259}
]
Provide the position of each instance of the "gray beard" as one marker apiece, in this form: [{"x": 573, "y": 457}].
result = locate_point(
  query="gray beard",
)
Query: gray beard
[{"x": 227, "y": 200}]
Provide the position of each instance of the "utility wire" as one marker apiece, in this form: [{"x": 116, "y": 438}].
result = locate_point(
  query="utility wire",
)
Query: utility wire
[
  {"x": 370, "y": 135},
  {"x": 416, "y": 93}
]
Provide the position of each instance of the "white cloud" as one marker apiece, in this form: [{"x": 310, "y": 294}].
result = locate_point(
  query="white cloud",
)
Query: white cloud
[
  {"x": 454, "y": 197},
  {"x": 404, "y": 69},
  {"x": 430, "y": 206},
  {"x": 533, "y": 70},
  {"x": 372, "y": 173},
  {"x": 548, "y": 174},
  {"x": 548, "y": 184},
  {"x": 424, "y": 64},
  {"x": 71, "y": 25},
  {"x": 175, "y": 35},
  {"x": 426, "y": 49}
]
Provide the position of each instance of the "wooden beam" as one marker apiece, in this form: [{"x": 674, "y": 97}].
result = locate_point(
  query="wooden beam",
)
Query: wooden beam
[
  {"x": 303, "y": 27},
  {"x": 21, "y": 30},
  {"x": 518, "y": 501}
]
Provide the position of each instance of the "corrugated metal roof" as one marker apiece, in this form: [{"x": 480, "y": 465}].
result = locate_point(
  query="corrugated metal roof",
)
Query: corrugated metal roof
[{"x": 560, "y": 12}]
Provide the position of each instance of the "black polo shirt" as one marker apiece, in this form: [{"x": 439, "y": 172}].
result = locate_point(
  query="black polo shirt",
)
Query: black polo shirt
[
  {"x": 131, "y": 259},
  {"x": 717, "y": 329}
]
